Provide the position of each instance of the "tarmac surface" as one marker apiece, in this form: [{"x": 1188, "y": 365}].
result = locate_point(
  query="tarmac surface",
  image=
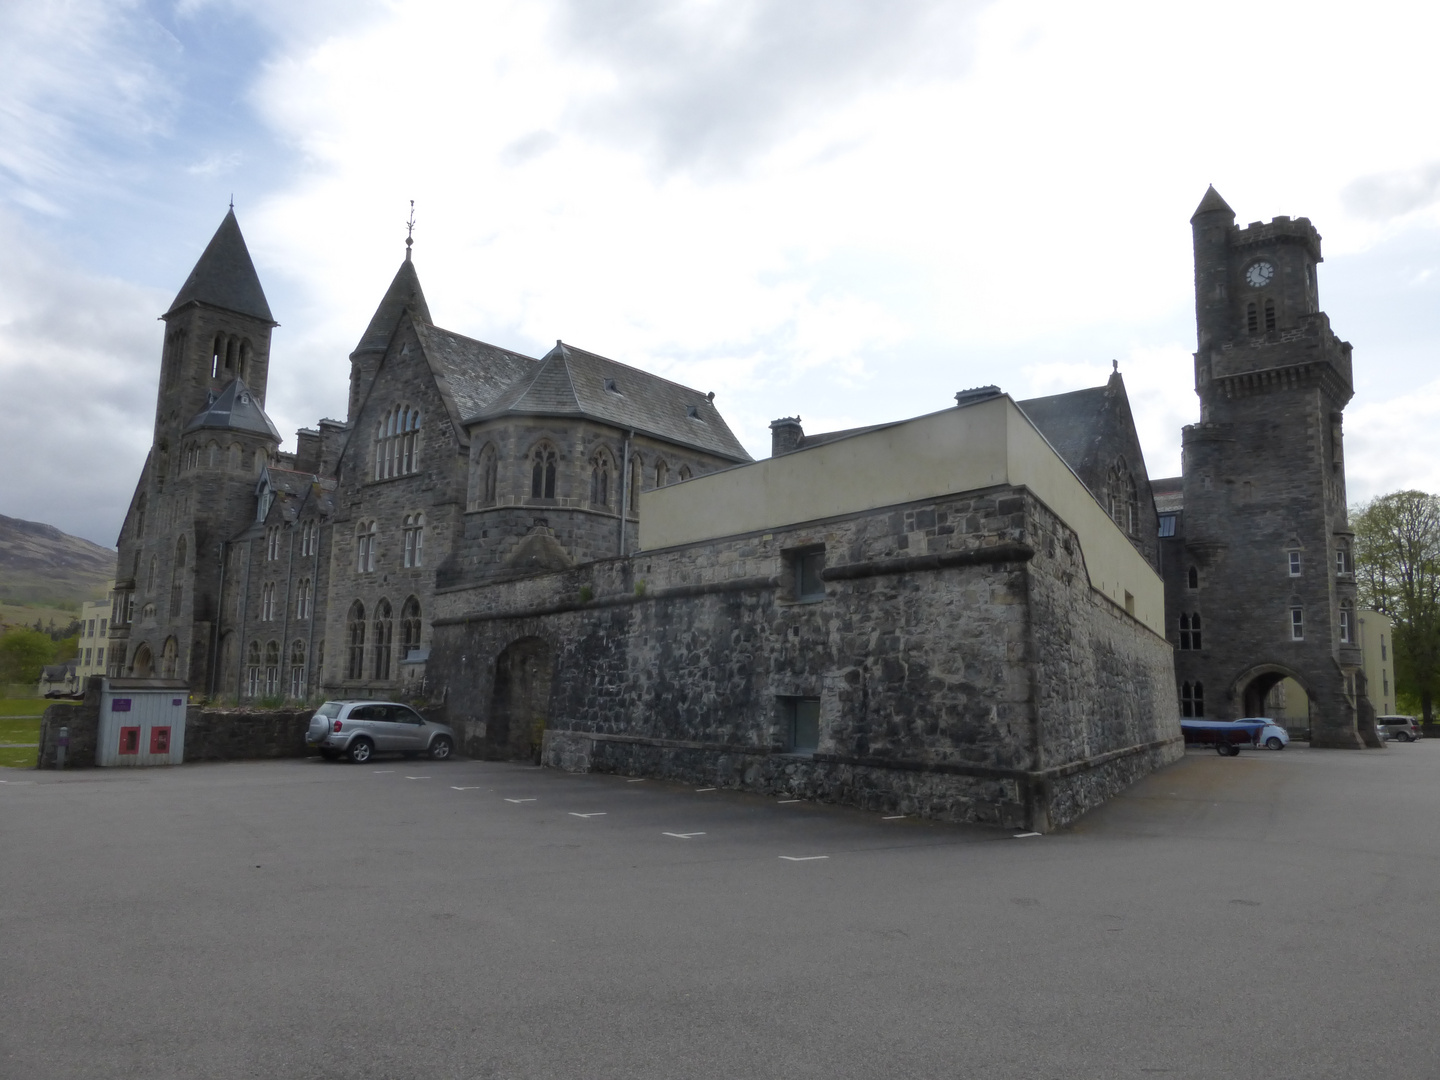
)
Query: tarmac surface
[{"x": 1272, "y": 915}]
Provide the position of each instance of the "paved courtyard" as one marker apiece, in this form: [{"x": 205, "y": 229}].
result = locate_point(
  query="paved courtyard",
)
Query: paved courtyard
[{"x": 1273, "y": 915}]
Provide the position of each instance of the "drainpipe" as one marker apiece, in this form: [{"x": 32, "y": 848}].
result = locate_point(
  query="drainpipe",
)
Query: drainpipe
[{"x": 625, "y": 490}]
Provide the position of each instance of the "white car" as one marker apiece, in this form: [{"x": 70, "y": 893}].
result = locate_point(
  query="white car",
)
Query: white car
[{"x": 1273, "y": 736}]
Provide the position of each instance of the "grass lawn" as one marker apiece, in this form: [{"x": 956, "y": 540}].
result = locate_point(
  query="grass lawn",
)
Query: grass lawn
[
  {"x": 26, "y": 707},
  {"x": 18, "y": 730}
]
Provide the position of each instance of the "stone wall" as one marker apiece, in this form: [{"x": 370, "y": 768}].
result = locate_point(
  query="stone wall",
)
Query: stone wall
[{"x": 964, "y": 667}]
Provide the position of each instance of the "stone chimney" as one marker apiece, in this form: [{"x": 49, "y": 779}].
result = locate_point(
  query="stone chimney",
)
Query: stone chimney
[{"x": 786, "y": 435}]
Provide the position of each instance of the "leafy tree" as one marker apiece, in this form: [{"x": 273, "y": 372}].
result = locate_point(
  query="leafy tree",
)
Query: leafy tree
[
  {"x": 66, "y": 649},
  {"x": 1397, "y": 572},
  {"x": 23, "y": 653}
]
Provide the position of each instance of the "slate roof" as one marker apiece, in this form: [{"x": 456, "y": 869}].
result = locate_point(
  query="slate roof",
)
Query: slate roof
[
  {"x": 234, "y": 409},
  {"x": 573, "y": 382},
  {"x": 1169, "y": 494},
  {"x": 294, "y": 491},
  {"x": 1070, "y": 422},
  {"x": 1211, "y": 201},
  {"x": 471, "y": 374},
  {"x": 404, "y": 291},
  {"x": 224, "y": 277}
]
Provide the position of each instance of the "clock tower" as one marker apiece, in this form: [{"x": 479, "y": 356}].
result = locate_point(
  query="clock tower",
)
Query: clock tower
[{"x": 1260, "y": 587}]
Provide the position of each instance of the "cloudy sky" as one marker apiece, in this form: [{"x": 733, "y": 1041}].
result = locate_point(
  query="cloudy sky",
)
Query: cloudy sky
[{"x": 842, "y": 209}]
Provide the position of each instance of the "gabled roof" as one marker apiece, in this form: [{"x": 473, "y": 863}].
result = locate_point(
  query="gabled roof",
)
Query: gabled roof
[
  {"x": 470, "y": 374},
  {"x": 1169, "y": 494},
  {"x": 573, "y": 382},
  {"x": 1071, "y": 423},
  {"x": 295, "y": 491},
  {"x": 1211, "y": 202},
  {"x": 224, "y": 277},
  {"x": 404, "y": 291},
  {"x": 234, "y": 409}
]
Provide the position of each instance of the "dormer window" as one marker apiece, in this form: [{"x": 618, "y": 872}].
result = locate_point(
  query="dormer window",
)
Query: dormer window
[
  {"x": 693, "y": 412},
  {"x": 612, "y": 386}
]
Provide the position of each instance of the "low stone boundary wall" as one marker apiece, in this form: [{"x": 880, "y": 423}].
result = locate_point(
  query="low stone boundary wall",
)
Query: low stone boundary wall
[
  {"x": 211, "y": 734},
  {"x": 238, "y": 734}
]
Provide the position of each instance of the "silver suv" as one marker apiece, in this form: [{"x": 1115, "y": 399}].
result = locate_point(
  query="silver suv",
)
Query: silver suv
[
  {"x": 362, "y": 729},
  {"x": 1403, "y": 728}
]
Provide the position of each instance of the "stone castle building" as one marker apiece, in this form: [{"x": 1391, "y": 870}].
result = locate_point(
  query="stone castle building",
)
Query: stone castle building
[{"x": 989, "y": 613}]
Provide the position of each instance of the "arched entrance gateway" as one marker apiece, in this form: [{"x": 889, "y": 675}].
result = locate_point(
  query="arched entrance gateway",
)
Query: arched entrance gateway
[
  {"x": 142, "y": 665},
  {"x": 1277, "y": 692},
  {"x": 520, "y": 702}
]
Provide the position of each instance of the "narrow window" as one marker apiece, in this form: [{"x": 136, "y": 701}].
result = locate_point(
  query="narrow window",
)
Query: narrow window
[
  {"x": 1345, "y": 620},
  {"x": 801, "y": 719},
  {"x": 1382, "y": 647},
  {"x": 1297, "y": 624},
  {"x": 1195, "y": 631},
  {"x": 356, "y": 666},
  {"x": 542, "y": 473},
  {"x": 489, "y": 476},
  {"x": 684, "y": 473},
  {"x": 637, "y": 477},
  {"x": 297, "y": 669},
  {"x": 302, "y": 599},
  {"x": 1269, "y": 314},
  {"x": 272, "y": 669},
  {"x": 252, "y": 670},
  {"x": 409, "y": 628},
  {"x": 662, "y": 474},
  {"x": 177, "y": 579},
  {"x": 383, "y": 631},
  {"x": 1252, "y": 318},
  {"x": 409, "y": 546},
  {"x": 1193, "y": 579},
  {"x": 1294, "y": 564},
  {"x": 1342, "y": 560}
]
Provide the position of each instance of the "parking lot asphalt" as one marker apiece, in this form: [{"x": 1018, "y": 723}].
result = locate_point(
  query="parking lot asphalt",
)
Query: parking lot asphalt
[{"x": 1272, "y": 915}]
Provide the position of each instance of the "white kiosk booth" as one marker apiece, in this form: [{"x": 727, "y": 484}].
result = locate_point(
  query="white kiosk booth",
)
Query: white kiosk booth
[{"x": 142, "y": 722}]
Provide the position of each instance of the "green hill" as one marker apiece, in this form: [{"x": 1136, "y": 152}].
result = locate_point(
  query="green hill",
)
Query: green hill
[{"x": 40, "y": 565}]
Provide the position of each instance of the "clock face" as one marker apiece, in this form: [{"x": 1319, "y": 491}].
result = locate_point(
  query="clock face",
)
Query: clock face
[{"x": 1259, "y": 274}]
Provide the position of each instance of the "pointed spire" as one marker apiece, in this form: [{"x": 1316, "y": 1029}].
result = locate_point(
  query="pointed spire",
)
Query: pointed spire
[
  {"x": 404, "y": 292},
  {"x": 1211, "y": 203},
  {"x": 224, "y": 277},
  {"x": 410, "y": 231}
]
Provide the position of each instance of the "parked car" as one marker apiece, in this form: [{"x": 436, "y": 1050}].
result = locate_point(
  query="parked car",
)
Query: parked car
[
  {"x": 1402, "y": 728},
  {"x": 362, "y": 729},
  {"x": 1272, "y": 736}
]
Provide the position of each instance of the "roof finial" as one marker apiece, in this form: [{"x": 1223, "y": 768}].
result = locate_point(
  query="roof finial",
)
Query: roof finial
[
  {"x": 232, "y": 201},
  {"x": 1114, "y": 366},
  {"x": 410, "y": 231}
]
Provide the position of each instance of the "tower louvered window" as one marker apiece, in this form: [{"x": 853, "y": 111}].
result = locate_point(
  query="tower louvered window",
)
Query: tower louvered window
[
  {"x": 1269, "y": 314},
  {"x": 1252, "y": 317}
]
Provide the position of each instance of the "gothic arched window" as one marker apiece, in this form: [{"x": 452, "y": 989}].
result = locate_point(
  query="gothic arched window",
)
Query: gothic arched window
[
  {"x": 489, "y": 476},
  {"x": 355, "y": 669},
  {"x": 1122, "y": 497},
  {"x": 272, "y": 668},
  {"x": 637, "y": 477},
  {"x": 414, "y": 533},
  {"x": 150, "y": 576},
  {"x": 252, "y": 670},
  {"x": 1193, "y": 578},
  {"x": 169, "y": 658},
  {"x": 409, "y": 627},
  {"x": 297, "y": 669},
  {"x": 365, "y": 536},
  {"x": 600, "y": 479},
  {"x": 384, "y": 629},
  {"x": 684, "y": 473},
  {"x": 397, "y": 443},
  {"x": 542, "y": 472},
  {"x": 662, "y": 474}
]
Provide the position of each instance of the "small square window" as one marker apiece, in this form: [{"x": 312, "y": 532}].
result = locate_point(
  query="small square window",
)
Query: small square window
[
  {"x": 806, "y": 567},
  {"x": 802, "y": 724},
  {"x": 1294, "y": 564},
  {"x": 129, "y": 740}
]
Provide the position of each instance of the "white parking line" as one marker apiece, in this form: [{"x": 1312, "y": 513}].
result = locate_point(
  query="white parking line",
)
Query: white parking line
[
  {"x": 699, "y": 789},
  {"x": 383, "y": 772},
  {"x": 640, "y": 780},
  {"x": 683, "y": 835},
  {"x": 454, "y": 788},
  {"x": 1023, "y": 835},
  {"x": 783, "y": 802},
  {"x": 803, "y": 858},
  {"x": 417, "y": 778},
  {"x": 519, "y": 800},
  {"x": 894, "y": 817},
  {"x": 598, "y": 813}
]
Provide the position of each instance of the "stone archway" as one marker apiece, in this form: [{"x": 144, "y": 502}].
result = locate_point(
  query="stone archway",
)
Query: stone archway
[
  {"x": 1254, "y": 686},
  {"x": 520, "y": 703},
  {"x": 142, "y": 664}
]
